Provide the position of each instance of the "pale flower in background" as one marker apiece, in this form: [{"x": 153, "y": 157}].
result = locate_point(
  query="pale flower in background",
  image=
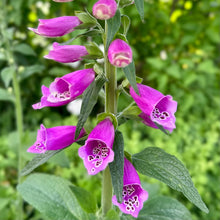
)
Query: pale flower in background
[{"x": 74, "y": 107}]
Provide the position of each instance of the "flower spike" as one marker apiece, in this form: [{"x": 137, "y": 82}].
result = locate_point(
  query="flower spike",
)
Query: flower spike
[
  {"x": 97, "y": 151},
  {"x": 66, "y": 53},
  {"x": 55, "y": 138},
  {"x": 65, "y": 89},
  {"x": 56, "y": 27},
  {"x": 133, "y": 194},
  {"x": 155, "y": 107}
]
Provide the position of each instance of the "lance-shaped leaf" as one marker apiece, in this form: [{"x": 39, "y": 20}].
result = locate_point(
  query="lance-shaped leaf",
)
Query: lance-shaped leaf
[
  {"x": 140, "y": 7},
  {"x": 156, "y": 163},
  {"x": 117, "y": 166},
  {"x": 162, "y": 207},
  {"x": 38, "y": 160},
  {"x": 113, "y": 26},
  {"x": 86, "y": 199},
  {"x": 89, "y": 100},
  {"x": 130, "y": 74},
  {"x": 6, "y": 96},
  {"x": 52, "y": 196}
]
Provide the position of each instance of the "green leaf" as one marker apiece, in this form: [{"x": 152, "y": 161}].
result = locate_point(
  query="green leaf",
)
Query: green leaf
[
  {"x": 93, "y": 51},
  {"x": 7, "y": 74},
  {"x": 38, "y": 160},
  {"x": 30, "y": 70},
  {"x": 86, "y": 199},
  {"x": 161, "y": 128},
  {"x": 117, "y": 166},
  {"x": 4, "y": 202},
  {"x": 112, "y": 215},
  {"x": 130, "y": 74},
  {"x": 89, "y": 100},
  {"x": 140, "y": 7},
  {"x": 84, "y": 26},
  {"x": 125, "y": 20},
  {"x": 113, "y": 27},
  {"x": 164, "y": 208},
  {"x": 98, "y": 68},
  {"x": 86, "y": 17},
  {"x": 156, "y": 163},
  {"x": 52, "y": 196},
  {"x": 24, "y": 49},
  {"x": 6, "y": 96},
  {"x": 104, "y": 115}
]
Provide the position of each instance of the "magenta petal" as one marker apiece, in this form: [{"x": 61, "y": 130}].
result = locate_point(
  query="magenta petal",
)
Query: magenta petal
[
  {"x": 104, "y": 9},
  {"x": 56, "y": 27},
  {"x": 133, "y": 194},
  {"x": 66, "y": 53},
  {"x": 54, "y": 138},
  {"x": 119, "y": 53},
  {"x": 65, "y": 89},
  {"x": 155, "y": 107},
  {"x": 97, "y": 151}
]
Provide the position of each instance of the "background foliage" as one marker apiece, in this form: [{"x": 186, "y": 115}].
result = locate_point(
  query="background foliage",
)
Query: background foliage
[{"x": 176, "y": 50}]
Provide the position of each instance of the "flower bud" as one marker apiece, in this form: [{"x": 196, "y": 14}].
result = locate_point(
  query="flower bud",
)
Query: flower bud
[
  {"x": 56, "y": 27},
  {"x": 66, "y": 53},
  {"x": 104, "y": 9},
  {"x": 119, "y": 53}
]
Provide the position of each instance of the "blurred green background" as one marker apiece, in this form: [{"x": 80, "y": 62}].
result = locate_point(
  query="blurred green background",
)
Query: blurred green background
[{"x": 176, "y": 50}]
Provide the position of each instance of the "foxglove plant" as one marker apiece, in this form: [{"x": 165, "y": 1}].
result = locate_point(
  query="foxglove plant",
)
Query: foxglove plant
[{"x": 103, "y": 149}]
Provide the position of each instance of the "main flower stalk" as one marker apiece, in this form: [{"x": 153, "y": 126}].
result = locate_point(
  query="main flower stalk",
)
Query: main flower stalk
[{"x": 110, "y": 107}]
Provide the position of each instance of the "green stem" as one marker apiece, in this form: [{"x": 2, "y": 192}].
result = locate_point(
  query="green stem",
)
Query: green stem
[
  {"x": 17, "y": 102},
  {"x": 110, "y": 107}
]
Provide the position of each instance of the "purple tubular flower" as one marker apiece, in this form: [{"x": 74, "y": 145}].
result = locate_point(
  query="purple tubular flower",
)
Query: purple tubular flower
[
  {"x": 66, "y": 53},
  {"x": 65, "y": 89},
  {"x": 55, "y": 138},
  {"x": 133, "y": 194},
  {"x": 119, "y": 53},
  {"x": 104, "y": 9},
  {"x": 97, "y": 151},
  {"x": 155, "y": 107},
  {"x": 56, "y": 27}
]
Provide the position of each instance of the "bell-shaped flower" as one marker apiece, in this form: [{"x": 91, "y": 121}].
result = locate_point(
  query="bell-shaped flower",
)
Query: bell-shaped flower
[
  {"x": 155, "y": 107},
  {"x": 119, "y": 53},
  {"x": 104, "y": 9},
  {"x": 133, "y": 196},
  {"x": 65, "y": 89},
  {"x": 97, "y": 151},
  {"x": 66, "y": 53},
  {"x": 55, "y": 138},
  {"x": 56, "y": 27}
]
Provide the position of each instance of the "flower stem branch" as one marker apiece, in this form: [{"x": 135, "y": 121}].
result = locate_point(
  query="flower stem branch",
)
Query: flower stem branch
[{"x": 17, "y": 102}]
